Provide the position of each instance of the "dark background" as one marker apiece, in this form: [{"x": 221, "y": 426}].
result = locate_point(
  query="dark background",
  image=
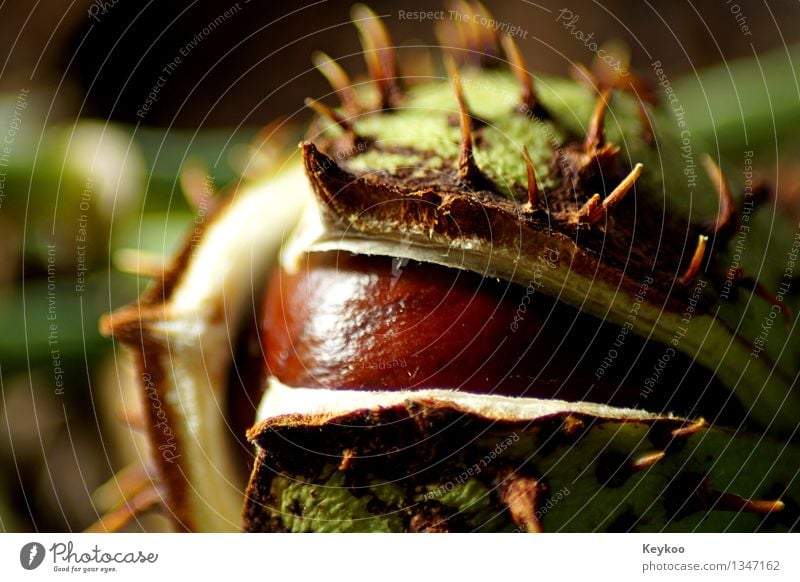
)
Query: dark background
[{"x": 256, "y": 64}]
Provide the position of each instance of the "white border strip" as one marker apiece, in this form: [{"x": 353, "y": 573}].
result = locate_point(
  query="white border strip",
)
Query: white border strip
[{"x": 356, "y": 557}]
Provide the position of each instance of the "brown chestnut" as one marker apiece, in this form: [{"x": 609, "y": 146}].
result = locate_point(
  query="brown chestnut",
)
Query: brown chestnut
[{"x": 361, "y": 322}]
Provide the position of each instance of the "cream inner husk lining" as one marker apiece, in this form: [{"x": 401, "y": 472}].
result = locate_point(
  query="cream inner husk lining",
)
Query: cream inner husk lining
[{"x": 280, "y": 400}]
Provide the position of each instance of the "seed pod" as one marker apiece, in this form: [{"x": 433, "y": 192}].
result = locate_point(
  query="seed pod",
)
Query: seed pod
[{"x": 486, "y": 319}]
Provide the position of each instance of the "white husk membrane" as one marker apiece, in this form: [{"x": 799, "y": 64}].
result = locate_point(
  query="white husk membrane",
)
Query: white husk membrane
[
  {"x": 201, "y": 325},
  {"x": 280, "y": 399}
]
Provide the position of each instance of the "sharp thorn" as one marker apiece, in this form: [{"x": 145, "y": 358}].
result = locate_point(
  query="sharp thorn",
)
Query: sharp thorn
[
  {"x": 486, "y": 35},
  {"x": 331, "y": 114},
  {"x": 594, "y": 210},
  {"x": 727, "y": 209},
  {"x": 595, "y": 137},
  {"x": 379, "y": 53},
  {"x": 339, "y": 80},
  {"x": 689, "y": 430},
  {"x": 622, "y": 189},
  {"x": 416, "y": 65},
  {"x": 731, "y": 502},
  {"x": 466, "y": 160},
  {"x": 572, "y": 425},
  {"x": 347, "y": 460},
  {"x": 589, "y": 209},
  {"x": 468, "y": 171},
  {"x": 697, "y": 261},
  {"x": 612, "y": 76},
  {"x": 449, "y": 37},
  {"x": 529, "y": 101},
  {"x": 374, "y": 69},
  {"x": 647, "y": 460},
  {"x": 533, "y": 187},
  {"x": 630, "y": 82},
  {"x": 522, "y": 496},
  {"x": 583, "y": 75},
  {"x": 468, "y": 33}
]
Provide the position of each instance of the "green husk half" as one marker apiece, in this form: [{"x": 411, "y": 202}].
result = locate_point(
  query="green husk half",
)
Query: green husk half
[{"x": 446, "y": 461}]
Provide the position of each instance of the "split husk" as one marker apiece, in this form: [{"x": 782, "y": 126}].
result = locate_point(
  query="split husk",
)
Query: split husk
[{"x": 467, "y": 174}]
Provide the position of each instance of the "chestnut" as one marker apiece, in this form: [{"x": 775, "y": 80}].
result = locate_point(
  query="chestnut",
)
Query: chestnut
[
  {"x": 492, "y": 313},
  {"x": 343, "y": 321}
]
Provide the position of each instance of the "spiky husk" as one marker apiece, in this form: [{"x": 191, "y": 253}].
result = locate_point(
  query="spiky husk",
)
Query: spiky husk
[
  {"x": 476, "y": 174},
  {"x": 435, "y": 461}
]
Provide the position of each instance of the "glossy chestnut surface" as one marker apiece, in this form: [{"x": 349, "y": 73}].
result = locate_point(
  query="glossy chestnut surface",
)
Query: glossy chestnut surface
[{"x": 359, "y": 322}]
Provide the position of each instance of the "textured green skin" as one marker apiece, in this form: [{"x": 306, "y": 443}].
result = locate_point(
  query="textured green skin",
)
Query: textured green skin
[
  {"x": 425, "y": 122},
  {"x": 361, "y": 500}
]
